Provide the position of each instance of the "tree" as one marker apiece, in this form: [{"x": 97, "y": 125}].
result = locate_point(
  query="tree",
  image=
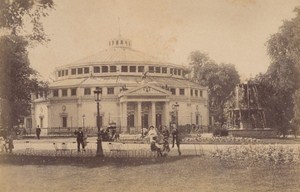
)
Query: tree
[
  {"x": 17, "y": 78},
  {"x": 15, "y": 13},
  {"x": 220, "y": 79},
  {"x": 296, "y": 118},
  {"x": 279, "y": 84}
]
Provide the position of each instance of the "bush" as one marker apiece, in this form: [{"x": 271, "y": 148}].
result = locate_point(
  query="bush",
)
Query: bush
[{"x": 220, "y": 132}]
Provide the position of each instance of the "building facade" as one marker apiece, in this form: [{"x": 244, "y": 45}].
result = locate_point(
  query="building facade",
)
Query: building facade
[{"x": 138, "y": 90}]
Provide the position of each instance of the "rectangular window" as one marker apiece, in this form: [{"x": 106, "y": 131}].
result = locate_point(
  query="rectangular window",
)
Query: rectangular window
[
  {"x": 59, "y": 73},
  {"x": 124, "y": 68},
  {"x": 104, "y": 69},
  {"x": 192, "y": 91},
  {"x": 141, "y": 69},
  {"x": 173, "y": 91},
  {"x": 55, "y": 93},
  {"x": 196, "y": 93},
  {"x": 181, "y": 91},
  {"x": 64, "y": 92},
  {"x": 157, "y": 69},
  {"x": 110, "y": 91},
  {"x": 113, "y": 69},
  {"x": 62, "y": 73},
  {"x": 64, "y": 122},
  {"x": 96, "y": 69},
  {"x": 79, "y": 71},
  {"x": 201, "y": 93},
  {"x": 175, "y": 71},
  {"x": 164, "y": 70},
  {"x": 179, "y": 72},
  {"x": 66, "y": 72},
  {"x": 151, "y": 69},
  {"x": 132, "y": 69},
  {"x": 87, "y": 91},
  {"x": 73, "y": 92},
  {"x": 73, "y": 71},
  {"x": 171, "y": 70},
  {"x": 86, "y": 70}
]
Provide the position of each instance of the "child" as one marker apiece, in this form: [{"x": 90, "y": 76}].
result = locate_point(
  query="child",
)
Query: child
[
  {"x": 154, "y": 147},
  {"x": 166, "y": 135}
]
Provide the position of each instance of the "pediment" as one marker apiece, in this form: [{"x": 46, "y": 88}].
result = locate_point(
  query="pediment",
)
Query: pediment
[{"x": 146, "y": 90}]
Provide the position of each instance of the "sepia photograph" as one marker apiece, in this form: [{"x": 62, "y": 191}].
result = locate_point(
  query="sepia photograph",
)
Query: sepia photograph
[{"x": 149, "y": 95}]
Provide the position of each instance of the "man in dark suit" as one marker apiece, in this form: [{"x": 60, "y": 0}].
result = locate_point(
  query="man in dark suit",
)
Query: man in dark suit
[
  {"x": 38, "y": 132},
  {"x": 80, "y": 137},
  {"x": 175, "y": 137}
]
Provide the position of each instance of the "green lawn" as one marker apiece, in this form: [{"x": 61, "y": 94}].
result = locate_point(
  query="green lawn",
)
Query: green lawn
[{"x": 184, "y": 173}]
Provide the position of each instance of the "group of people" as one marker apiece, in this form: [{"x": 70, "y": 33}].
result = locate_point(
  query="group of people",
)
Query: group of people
[
  {"x": 153, "y": 134},
  {"x": 155, "y": 144},
  {"x": 6, "y": 143}
]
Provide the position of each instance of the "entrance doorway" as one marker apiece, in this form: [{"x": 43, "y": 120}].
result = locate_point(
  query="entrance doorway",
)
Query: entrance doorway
[
  {"x": 145, "y": 122},
  {"x": 130, "y": 120},
  {"x": 158, "y": 120},
  {"x": 64, "y": 122}
]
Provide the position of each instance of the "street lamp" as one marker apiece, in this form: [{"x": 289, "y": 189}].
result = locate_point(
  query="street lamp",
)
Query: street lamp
[
  {"x": 98, "y": 94},
  {"x": 83, "y": 118},
  {"x": 175, "y": 108}
]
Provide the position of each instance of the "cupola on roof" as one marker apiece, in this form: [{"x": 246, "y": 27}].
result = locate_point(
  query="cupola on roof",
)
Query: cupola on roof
[
  {"x": 120, "y": 43},
  {"x": 119, "y": 51}
]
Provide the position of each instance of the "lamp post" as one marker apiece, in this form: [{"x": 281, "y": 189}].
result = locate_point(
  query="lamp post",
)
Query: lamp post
[
  {"x": 98, "y": 94},
  {"x": 175, "y": 108},
  {"x": 83, "y": 118}
]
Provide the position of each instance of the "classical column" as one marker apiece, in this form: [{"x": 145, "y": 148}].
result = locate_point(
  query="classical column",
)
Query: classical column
[
  {"x": 167, "y": 114},
  {"x": 153, "y": 114},
  {"x": 33, "y": 118},
  {"x": 124, "y": 117},
  {"x": 139, "y": 115}
]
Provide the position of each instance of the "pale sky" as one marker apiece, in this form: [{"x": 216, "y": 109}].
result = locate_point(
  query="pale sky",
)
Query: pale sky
[{"x": 229, "y": 31}]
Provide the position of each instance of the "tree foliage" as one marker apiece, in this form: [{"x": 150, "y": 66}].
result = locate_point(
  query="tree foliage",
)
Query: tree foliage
[
  {"x": 220, "y": 79},
  {"x": 14, "y": 14},
  {"x": 18, "y": 79},
  {"x": 282, "y": 79}
]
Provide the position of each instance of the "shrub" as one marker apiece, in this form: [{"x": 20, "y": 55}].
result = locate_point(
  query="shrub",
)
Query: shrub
[{"x": 220, "y": 132}]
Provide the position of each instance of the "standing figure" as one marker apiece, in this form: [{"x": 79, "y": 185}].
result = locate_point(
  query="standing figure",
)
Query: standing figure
[
  {"x": 85, "y": 140},
  {"x": 10, "y": 143},
  {"x": 166, "y": 135},
  {"x": 80, "y": 138},
  {"x": 152, "y": 133},
  {"x": 38, "y": 132},
  {"x": 175, "y": 137},
  {"x": 2, "y": 144}
]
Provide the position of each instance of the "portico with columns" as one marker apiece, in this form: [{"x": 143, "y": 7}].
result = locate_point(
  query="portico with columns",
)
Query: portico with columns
[{"x": 144, "y": 106}]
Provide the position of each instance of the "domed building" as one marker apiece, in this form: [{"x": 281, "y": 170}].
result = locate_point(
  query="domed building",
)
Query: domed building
[{"x": 138, "y": 90}]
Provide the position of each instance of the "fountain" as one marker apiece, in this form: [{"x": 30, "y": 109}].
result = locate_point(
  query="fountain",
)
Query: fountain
[{"x": 246, "y": 117}]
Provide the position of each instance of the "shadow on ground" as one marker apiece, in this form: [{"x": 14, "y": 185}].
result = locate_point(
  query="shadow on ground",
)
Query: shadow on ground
[{"x": 91, "y": 162}]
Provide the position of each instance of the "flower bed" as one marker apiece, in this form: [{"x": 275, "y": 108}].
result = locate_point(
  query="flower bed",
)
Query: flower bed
[
  {"x": 248, "y": 155},
  {"x": 221, "y": 140}
]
